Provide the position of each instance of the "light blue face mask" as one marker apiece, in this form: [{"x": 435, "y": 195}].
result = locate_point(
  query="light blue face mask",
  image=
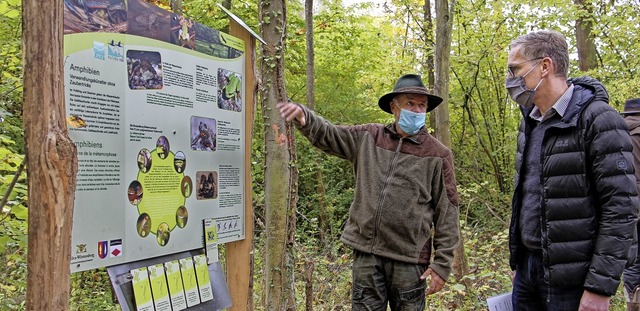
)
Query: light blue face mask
[{"x": 411, "y": 122}]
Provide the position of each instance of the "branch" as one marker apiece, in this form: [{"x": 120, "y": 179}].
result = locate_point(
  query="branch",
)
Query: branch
[{"x": 5, "y": 198}]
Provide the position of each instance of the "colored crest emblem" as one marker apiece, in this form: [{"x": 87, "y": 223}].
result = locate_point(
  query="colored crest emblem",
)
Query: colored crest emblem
[{"x": 103, "y": 249}]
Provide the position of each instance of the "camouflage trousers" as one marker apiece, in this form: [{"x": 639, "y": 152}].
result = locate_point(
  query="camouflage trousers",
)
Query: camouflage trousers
[{"x": 378, "y": 281}]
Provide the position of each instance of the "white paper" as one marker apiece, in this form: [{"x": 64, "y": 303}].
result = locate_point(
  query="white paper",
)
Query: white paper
[{"x": 500, "y": 303}]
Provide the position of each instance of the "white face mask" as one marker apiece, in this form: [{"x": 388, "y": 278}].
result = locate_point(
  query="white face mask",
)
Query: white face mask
[{"x": 518, "y": 91}]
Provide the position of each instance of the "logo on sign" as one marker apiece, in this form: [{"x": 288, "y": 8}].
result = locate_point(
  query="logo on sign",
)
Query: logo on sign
[
  {"x": 81, "y": 248},
  {"x": 98, "y": 50},
  {"x": 115, "y": 248},
  {"x": 103, "y": 249},
  {"x": 115, "y": 51}
]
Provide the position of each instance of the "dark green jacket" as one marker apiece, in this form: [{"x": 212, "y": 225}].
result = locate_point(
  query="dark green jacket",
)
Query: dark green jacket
[{"x": 405, "y": 191}]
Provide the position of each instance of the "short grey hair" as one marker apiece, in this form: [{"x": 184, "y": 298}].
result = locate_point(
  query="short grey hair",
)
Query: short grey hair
[{"x": 545, "y": 43}]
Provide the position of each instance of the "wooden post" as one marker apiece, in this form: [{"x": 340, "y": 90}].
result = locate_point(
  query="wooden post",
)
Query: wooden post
[
  {"x": 51, "y": 155},
  {"x": 239, "y": 254}
]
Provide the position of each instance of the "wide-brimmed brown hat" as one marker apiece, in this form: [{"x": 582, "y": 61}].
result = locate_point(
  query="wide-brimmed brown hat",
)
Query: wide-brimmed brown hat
[
  {"x": 631, "y": 106},
  {"x": 409, "y": 84}
]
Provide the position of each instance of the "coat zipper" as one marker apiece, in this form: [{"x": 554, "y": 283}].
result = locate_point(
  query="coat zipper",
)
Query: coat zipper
[{"x": 383, "y": 194}]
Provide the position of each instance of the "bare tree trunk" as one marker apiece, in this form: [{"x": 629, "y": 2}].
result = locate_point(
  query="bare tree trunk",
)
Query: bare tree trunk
[
  {"x": 324, "y": 223},
  {"x": 444, "y": 21},
  {"x": 587, "y": 56},
  {"x": 176, "y": 6},
  {"x": 226, "y": 4},
  {"x": 309, "y": 287},
  {"x": 51, "y": 155},
  {"x": 428, "y": 37},
  {"x": 291, "y": 209},
  {"x": 311, "y": 103},
  {"x": 429, "y": 51},
  {"x": 279, "y": 174},
  {"x": 311, "y": 87}
]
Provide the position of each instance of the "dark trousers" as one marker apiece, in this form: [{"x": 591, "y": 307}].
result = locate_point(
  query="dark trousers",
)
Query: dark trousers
[
  {"x": 631, "y": 274},
  {"x": 531, "y": 293},
  {"x": 378, "y": 281}
]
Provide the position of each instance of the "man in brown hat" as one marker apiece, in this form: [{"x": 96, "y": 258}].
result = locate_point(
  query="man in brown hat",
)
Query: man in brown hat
[
  {"x": 405, "y": 200},
  {"x": 631, "y": 274}
]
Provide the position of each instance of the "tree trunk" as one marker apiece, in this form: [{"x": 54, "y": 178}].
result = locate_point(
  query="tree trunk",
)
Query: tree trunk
[
  {"x": 444, "y": 21},
  {"x": 324, "y": 223},
  {"x": 280, "y": 175},
  {"x": 428, "y": 38},
  {"x": 176, "y": 6},
  {"x": 226, "y": 4},
  {"x": 311, "y": 103},
  {"x": 308, "y": 289},
  {"x": 429, "y": 51},
  {"x": 308, "y": 20},
  {"x": 587, "y": 56},
  {"x": 51, "y": 155}
]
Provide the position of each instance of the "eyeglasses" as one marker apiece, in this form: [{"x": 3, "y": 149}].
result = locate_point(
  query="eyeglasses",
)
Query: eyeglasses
[{"x": 511, "y": 70}]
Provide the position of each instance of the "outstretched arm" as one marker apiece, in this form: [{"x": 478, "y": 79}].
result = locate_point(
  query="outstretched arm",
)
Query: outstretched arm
[
  {"x": 290, "y": 111},
  {"x": 341, "y": 141}
]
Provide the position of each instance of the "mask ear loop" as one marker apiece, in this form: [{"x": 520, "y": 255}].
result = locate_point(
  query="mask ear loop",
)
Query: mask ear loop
[
  {"x": 542, "y": 79},
  {"x": 537, "y": 85},
  {"x": 530, "y": 70}
]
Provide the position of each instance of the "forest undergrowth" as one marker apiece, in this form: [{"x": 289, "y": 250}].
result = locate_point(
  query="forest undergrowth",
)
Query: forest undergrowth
[{"x": 485, "y": 249}]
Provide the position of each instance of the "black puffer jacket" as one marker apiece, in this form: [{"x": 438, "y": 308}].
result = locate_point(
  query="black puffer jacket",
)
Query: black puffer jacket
[{"x": 589, "y": 199}]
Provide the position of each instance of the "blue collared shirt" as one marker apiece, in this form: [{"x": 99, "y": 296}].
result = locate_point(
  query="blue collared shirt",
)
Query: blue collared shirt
[{"x": 560, "y": 107}]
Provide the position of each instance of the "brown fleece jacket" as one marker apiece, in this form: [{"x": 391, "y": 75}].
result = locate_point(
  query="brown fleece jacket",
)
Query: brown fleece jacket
[
  {"x": 633, "y": 122},
  {"x": 405, "y": 191}
]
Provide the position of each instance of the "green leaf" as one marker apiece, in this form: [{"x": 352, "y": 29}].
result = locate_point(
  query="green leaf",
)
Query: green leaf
[
  {"x": 4, "y": 7},
  {"x": 20, "y": 212},
  {"x": 7, "y": 288},
  {"x": 6, "y": 140},
  {"x": 4, "y": 240},
  {"x": 8, "y": 75},
  {"x": 12, "y": 14},
  {"x": 7, "y": 8}
]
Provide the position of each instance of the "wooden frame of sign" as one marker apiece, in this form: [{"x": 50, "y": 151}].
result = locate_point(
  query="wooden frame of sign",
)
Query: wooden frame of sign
[{"x": 239, "y": 253}]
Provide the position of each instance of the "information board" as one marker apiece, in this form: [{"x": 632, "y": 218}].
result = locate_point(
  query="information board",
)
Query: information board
[{"x": 154, "y": 103}]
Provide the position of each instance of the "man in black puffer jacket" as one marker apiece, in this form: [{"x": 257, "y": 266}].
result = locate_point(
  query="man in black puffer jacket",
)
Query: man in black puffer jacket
[{"x": 574, "y": 208}]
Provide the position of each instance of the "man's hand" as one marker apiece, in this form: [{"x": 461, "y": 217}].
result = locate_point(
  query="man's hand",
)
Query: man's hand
[
  {"x": 594, "y": 302},
  {"x": 436, "y": 283},
  {"x": 290, "y": 111}
]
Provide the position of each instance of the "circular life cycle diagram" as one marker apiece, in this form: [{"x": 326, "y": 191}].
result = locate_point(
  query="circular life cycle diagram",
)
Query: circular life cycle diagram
[{"x": 160, "y": 191}]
